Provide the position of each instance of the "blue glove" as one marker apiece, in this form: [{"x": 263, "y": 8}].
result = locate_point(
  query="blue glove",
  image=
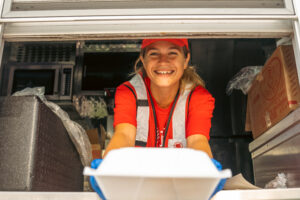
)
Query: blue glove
[
  {"x": 95, "y": 163},
  {"x": 222, "y": 181}
]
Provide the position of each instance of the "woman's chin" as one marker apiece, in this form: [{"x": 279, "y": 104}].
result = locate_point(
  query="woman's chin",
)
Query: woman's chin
[{"x": 166, "y": 85}]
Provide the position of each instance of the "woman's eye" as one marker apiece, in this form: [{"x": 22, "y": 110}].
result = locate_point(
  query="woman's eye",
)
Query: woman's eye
[
  {"x": 173, "y": 53},
  {"x": 153, "y": 54}
]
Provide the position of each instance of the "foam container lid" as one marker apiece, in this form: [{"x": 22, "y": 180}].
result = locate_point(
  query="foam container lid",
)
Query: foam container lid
[{"x": 157, "y": 173}]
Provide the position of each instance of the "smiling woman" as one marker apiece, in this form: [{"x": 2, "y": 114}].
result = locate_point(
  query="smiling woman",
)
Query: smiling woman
[
  {"x": 189, "y": 75},
  {"x": 165, "y": 104},
  {"x": 164, "y": 63}
]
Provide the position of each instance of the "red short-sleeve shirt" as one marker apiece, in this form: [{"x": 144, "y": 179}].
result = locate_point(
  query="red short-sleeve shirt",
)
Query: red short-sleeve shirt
[{"x": 198, "y": 117}]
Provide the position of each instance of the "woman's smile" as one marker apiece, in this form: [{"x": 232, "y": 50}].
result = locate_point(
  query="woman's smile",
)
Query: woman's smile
[{"x": 159, "y": 72}]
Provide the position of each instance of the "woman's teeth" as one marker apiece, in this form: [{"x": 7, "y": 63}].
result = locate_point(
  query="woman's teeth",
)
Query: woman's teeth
[{"x": 164, "y": 72}]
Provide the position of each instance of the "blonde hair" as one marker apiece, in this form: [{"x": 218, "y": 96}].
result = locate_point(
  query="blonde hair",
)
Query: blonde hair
[{"x": 189, "y": 77}]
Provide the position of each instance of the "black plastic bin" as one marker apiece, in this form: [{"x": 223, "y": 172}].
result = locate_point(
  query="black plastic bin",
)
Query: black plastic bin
[{"x": 36, "y": 153}]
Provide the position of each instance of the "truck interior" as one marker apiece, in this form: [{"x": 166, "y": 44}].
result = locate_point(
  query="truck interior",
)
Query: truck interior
[{"x": 96, "y": 68}]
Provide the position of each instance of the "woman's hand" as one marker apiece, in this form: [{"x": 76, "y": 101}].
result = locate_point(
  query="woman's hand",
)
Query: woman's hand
[
  {"x": 222, "y": 182},
  {"x": 124, "y": 136},
  {"x": 95, "y": 164}
]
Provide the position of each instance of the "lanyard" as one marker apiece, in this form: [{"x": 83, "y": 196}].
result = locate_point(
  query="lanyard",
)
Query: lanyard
[{"x": 168, "y": 122}]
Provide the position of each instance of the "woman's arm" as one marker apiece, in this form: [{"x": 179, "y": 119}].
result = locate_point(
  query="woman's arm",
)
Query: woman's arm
[
  {"x": 199, "y": 142},
  {"x": 124, "y": 136},
  {"x": 200, "y": 113}
]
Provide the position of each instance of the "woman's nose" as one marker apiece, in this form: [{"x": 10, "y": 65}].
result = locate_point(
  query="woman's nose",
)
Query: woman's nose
[{"x": 163, "y": 58}]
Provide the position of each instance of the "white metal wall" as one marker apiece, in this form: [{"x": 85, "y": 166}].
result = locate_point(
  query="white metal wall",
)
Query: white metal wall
[
  {"x": 244, "y": 19},
  {"x": 134, "y": 29},
  {"x": 47, "y": 8}
]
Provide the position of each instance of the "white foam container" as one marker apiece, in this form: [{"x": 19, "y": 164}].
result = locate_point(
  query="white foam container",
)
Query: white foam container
[{"x": 157, "y": 173}]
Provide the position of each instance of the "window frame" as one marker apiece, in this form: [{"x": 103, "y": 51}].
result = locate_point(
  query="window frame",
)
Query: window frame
[{"x": 8, "y": 13}]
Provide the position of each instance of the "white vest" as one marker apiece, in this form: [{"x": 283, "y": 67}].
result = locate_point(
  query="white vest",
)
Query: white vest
[{"x": 142, "y": 117}]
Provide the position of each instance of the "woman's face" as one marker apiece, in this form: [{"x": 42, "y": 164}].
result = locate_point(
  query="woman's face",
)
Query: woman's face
[{"x": 164, "y": 63}]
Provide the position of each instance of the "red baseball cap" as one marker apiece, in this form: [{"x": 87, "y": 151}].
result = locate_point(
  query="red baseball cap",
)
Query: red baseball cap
[{"x": 180, "y": 42}]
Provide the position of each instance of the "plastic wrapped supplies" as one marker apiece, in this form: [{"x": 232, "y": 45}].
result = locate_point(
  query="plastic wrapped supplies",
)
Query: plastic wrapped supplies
[
  {"x": 92, "y": 107},
  {"x": 243, "y": 79},
  {"x": 279, "y": 182},
  {"x": 76, "y": 133},
  {"x": 37, "y": 91}
]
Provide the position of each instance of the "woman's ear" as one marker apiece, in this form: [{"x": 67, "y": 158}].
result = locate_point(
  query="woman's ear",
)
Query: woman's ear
[{"x": 187, "y": 60}]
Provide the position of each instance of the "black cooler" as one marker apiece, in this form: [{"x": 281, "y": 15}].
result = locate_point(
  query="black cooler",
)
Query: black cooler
[{"x": 36, "y": 153}]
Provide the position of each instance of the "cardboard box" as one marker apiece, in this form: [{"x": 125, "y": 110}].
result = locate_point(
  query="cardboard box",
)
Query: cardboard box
[
  {"x": 96, "y": 151},
  {"x": 93, "y": 136},
  {"x": 95, "y": 141},
  {"x": 102, "y": 136},
  {"x": 275, "y": 91}
]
